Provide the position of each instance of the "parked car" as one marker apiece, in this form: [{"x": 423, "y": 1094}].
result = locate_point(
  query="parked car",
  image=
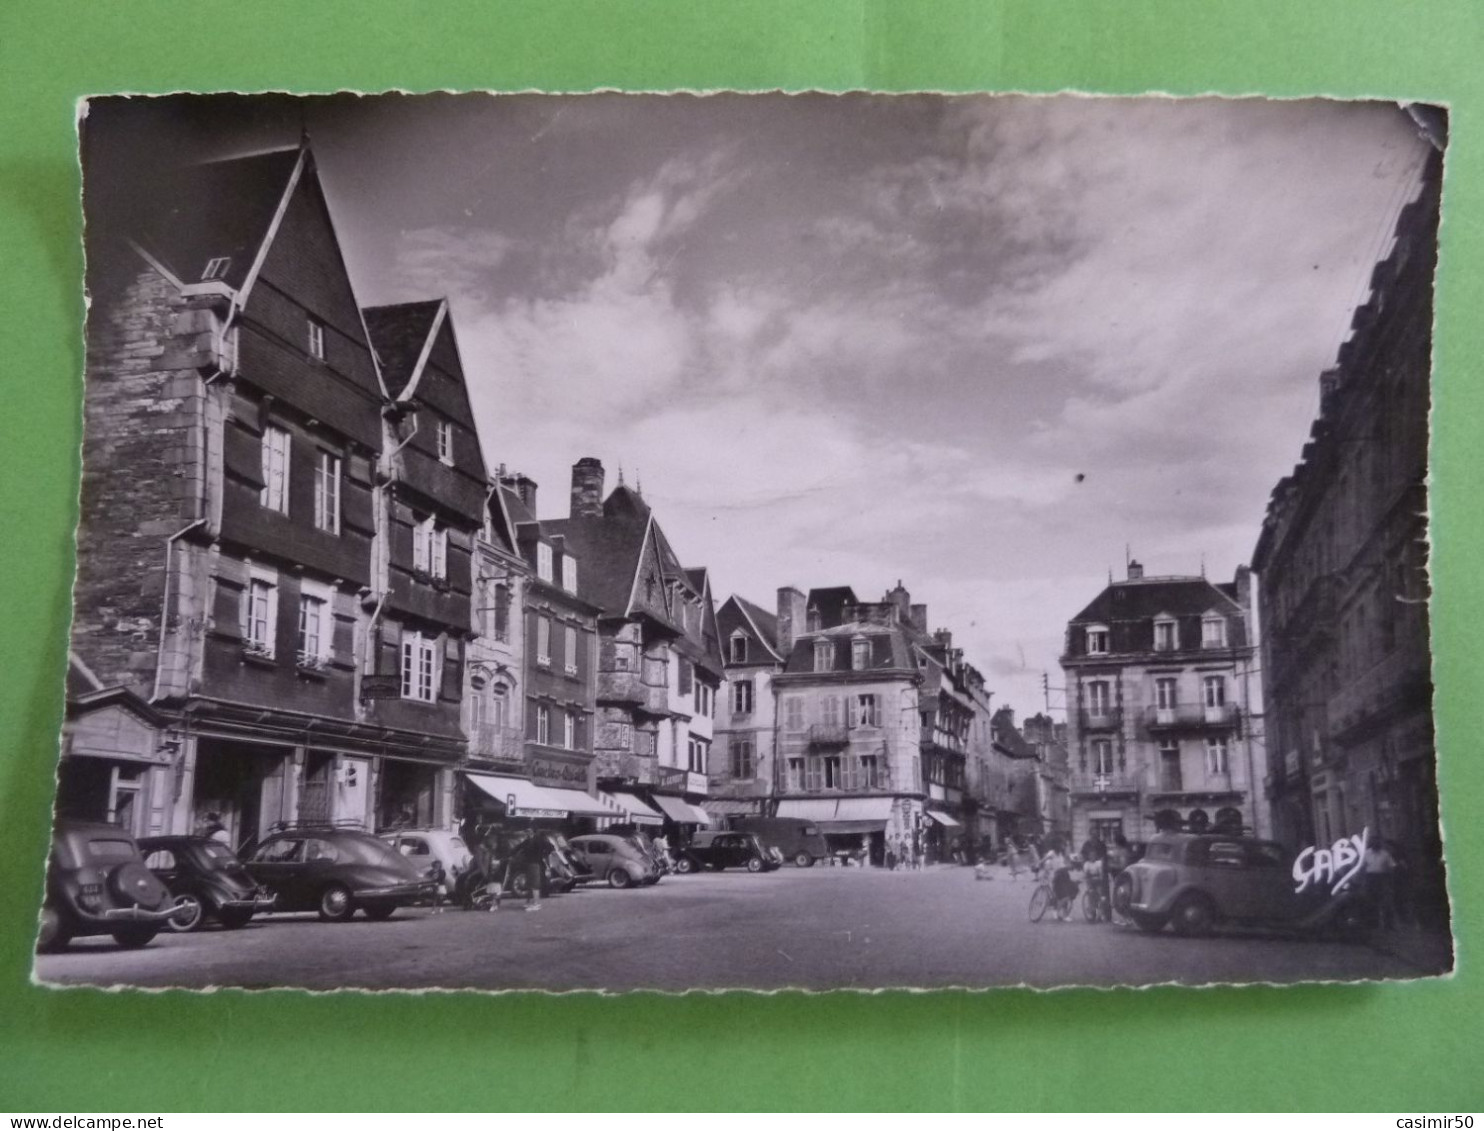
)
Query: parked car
[
  {"x": 423, "y": 847},
  {"x": 97, "y": 884},
  {"x": 1193, "y": 882},
  {"x": 615, "y": 860},
  {"x": 335, "y": 871},
  {"x": 206, "y": 881},
  {"x": 799, "y": 840},
  {"x": 717, "y": 850}
]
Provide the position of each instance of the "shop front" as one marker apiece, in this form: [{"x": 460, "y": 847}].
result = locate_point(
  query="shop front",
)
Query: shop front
[
  {"x": 116, "y": 767},
  {"x": 511, "y": 804},
  {"x": 630, "y": 810},
  {"x": 856, "y": 828},
  {"x": 681, "y": 818}
]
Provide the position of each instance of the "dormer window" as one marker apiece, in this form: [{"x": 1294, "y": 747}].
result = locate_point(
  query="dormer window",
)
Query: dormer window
[
  {"x": 216, "y": 268},
  {"x": 543, "y": 561},
  {"x": 1213, "y": 632},
  {"x": 824, "y": 655},
  {"x": 1164, "y": 635},
  {"x": 316, "y": 343},
  {"x": 445, "y": 442},
  {"x": 812, "y": 619},
  {"x": 860, "y": 655},
  {"x": 1097, "y": 640},
  {"x": 737, "y": 648}
]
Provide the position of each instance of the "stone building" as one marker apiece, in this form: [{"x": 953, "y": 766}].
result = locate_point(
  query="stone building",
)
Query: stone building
[
  {"x": 1162, "y": 688},
  {"x": 233, "y": 561},
  {"x": 744, "y": 754},
  {"x": 1342, "y": 566},
  {"x": 1050, "y": 800},
  {"x": 659, "y": 666}
]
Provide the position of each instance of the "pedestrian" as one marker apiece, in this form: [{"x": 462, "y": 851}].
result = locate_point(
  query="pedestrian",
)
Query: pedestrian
[
  {"x": 492, "y": 867},
  {"x": 213, "y": 829},
  {"x": 440, "y": 884},
  {"x": 527, "y": 860},
  {"x": 1380, "y": 878},
  {"x": 891, "y": 855}
]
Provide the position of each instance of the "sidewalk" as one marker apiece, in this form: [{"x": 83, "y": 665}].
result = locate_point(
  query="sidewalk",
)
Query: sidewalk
[{"x": 1426, "y": 948}]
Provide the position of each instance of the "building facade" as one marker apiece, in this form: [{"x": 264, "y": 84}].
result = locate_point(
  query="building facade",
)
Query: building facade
[
  {"x": 1343, "y": 573},
  {"x": 743, "y": 765},
  {"x": 1161, "y": 687}
]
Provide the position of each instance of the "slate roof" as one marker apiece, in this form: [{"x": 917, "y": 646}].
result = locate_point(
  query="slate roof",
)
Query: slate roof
[
  {"x": 608, "y": 549},
  {"x": 220, "y": 208},
  {"x": 1147, "y": 598},
  {"x": 831, "y": 603},
  {"x": 399, "y": 334},
  {"x": 765, "y": 622},
  {"x": 1008, "y": 737},
  {"x": 891, "y": 649}
]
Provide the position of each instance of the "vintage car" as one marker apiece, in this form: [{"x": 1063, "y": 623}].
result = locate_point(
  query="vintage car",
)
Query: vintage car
[
  {"x": 206, "y": 881},
  {"x": 1195, "y": 882},
  {"x": 615, "y": 860},
  {"x": 423, "y": 848},
  {"x": 97, "y": 884},
  {"x": 336, "y": 871},
  {"x": 719, "y": 850}
]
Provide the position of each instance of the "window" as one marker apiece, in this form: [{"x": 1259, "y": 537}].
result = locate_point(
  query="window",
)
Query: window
[
  {"x": 569, "y": 730},
  {"x": 543, "y": 561},
  {"x": 865, "y": 711},
  {"x": 569, "y": 649},
  {"x": 860, "y": 655},
  {"x": 832, "y": 772},
  {"x": 327, "y": 493},
  {"x": 738, "y": 648},
  {"x": 316, "y": 339},
  {"x": 698, "y": 748},
  {"x": 793, "y": 712},
  {"x": 261, "y": 616},
  {"x": 216, "y": 268},
  {"x": 870, "y": 772},
  {"x": 1166, "y": 690},
  {"x": 1097, "y": 640},
  {"x": 1102, "y": 756},
  {"x": 445, "y": 442},
  {"x": 1213, "y": 632},
  {"x": 1106, "y": 829},
  {"x": 742, "y": 697},
  {"x": 1216, "y": 756},
  {"x": 543, "y": 641},
  {"x": 314, "y": 631},
  {"x": 743, "y": 757},
  {"x": 498, "y": 623},
  {"x": 829, "y": 711},
  {"x": 569, "y": 573},
  {"x": 430, "y": 548},
  {"x": 1164, "y": 636},
  {"x": 275, "y": 492},
  {"x": 543, "y": 724},
  {"x": 795, "y": 775},
  {"x": 1215, "y": 691},
  {"x": 1098, "y": 697},
  {"x": 419, "y": 665},
  {"x": 824, "y": 655}
]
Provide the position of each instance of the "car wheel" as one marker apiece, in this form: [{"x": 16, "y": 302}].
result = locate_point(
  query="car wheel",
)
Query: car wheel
[
  {"x": 1153, "y": 924},
  {"x": 803, "y": 860},
  {"x": 1193, "y": 915},
  {"x": 335, "y": 904},
  {"x": 234, "y": 920},
  {"x": 754, "y": 865},
  {"x": 53, "y": 936},
  {"x": 380, "y": 911},
  {"x": 188, "y": 913},
  {"x": 136, "y": 935},
  {"x": 519, "y": 885},
  {"x": 618, "y": 878},
  {"x": 685, "y": 865}
]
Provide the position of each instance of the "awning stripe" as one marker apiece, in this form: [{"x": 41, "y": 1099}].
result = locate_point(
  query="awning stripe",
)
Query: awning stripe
[
  {"x": 532, "y": 800},
  {"x": 631, "y": 808}
]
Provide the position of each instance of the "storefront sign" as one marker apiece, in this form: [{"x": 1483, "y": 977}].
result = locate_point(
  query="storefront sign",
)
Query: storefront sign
[
  {"x": 549, "y": 771},
  {"x": 1336, "y": 865}
]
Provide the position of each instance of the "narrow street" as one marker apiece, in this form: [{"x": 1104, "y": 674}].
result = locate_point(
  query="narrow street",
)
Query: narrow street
[{"x": 816, "y": 928}]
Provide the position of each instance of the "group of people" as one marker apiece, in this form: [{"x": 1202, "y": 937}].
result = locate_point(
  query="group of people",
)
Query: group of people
[{"x": 905, "y": 853}]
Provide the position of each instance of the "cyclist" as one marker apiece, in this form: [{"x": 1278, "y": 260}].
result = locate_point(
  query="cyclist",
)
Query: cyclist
[
  {"x": 1058, "y": 867},
  {"x": 1095, "y": 867}
]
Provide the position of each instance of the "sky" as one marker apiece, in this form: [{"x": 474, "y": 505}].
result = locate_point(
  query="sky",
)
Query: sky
[{"x": 986, "y": 345}]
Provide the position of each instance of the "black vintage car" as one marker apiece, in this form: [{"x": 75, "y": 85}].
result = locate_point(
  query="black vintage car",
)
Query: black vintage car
[
  {"x": 718, "y": 850},
  {"x": 336, "y": 871},
  {"x": 97, "y": 884},
  {"x": 206, "y": 880}
]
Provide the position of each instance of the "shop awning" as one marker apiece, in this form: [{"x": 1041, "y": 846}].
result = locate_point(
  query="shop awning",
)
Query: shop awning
[
  {"x": 943, "y": 819},
  {"x": 701, "y": 816},
  {"x": 633, "y": 809},
  {"x": 679, "y": 812},
  {"x": 732, "y": 807},
  {"x": 524, "y": 798},
  {"x": 843, "y": 815}
]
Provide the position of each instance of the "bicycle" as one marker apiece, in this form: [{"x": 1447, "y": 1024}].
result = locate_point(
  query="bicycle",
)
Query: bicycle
[
  {"x": 1043, "y": 899},
  {"x": 1096, "y": 906}
]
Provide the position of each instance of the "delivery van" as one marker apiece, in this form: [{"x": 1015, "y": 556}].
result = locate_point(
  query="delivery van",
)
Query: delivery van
[{"x": 799, "y": 840}]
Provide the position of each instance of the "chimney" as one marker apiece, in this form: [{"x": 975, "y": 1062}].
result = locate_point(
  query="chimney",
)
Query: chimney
[
  {"x": 525, "y": 487},
  {"x": 790, "y": 618},
  {"x": 903, "y": 602},
  {"x": 918, "y": 617},
  {"x": 944, "y": 637},
  {"x": 587, "y": 488},
  {"x": 1135, "y": 570},
  {"x": 1244, "y": 587}
]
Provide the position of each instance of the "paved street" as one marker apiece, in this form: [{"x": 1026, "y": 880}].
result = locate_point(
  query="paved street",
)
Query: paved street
[{"x": 817, "y": 928}]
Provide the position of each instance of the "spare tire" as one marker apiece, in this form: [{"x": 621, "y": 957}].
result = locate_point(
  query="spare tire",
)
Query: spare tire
[{"x": 133, "y": 885}]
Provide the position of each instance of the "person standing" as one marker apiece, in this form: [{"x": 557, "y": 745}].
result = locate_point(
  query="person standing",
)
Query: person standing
[{"x": 527, "y": 860}]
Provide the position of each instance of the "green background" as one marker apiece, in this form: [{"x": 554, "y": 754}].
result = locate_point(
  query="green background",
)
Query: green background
[{"x": 1399, "y": 1047}]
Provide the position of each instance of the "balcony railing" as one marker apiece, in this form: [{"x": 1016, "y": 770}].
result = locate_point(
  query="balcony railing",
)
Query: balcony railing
[
  {"x": 1186, "y": 716},
  {"x": 1104, "y": 718},
  {"x": 1089, "y": 783},
  {"x": 829, "y": 734}
]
